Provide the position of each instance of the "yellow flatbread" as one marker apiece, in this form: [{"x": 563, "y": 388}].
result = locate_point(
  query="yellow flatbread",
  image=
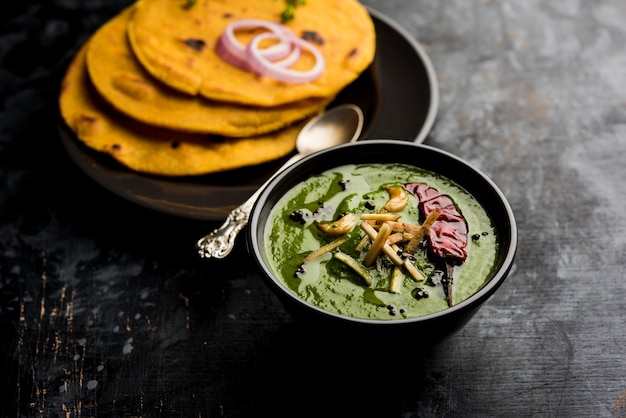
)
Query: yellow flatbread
[
  {"x": 152, "y": 150},
  {"x": 176, "y": 42},
  {"x": 122, "y": 81}
]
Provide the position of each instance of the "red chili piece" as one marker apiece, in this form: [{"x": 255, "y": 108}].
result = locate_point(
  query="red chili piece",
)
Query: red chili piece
[{"x": 448, "y": 235}]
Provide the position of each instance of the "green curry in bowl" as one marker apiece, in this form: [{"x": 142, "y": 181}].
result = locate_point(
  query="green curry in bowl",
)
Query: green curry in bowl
[{"x": 380, "y": 241}]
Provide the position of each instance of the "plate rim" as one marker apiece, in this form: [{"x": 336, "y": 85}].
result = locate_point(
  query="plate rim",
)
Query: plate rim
[{"x": 431, "y": 73}]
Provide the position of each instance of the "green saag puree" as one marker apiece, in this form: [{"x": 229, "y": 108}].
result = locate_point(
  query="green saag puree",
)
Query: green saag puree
[{"x": 330, "y": 284}]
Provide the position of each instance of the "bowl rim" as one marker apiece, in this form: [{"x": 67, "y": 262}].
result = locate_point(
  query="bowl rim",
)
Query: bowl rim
[{"x": 470, "y": 303}]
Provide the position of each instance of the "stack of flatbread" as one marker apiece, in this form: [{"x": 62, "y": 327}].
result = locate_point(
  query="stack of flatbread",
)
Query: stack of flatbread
[{"x": 149, "y": 89}]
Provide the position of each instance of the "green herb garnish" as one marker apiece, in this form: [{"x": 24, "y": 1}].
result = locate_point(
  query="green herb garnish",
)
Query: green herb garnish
[
  {"x": 290, "y": 9},
  {"x": 190, "y": 3}
]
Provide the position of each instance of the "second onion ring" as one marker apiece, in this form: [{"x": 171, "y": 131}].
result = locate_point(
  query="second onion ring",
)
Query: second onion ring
[{"x": 273, "y": 61}]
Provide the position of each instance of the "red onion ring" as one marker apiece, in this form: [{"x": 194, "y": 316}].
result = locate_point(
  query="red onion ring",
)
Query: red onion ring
[
  {"x": 260, "y": 64},
  {"x": 273, "y": 61},
  {"x": 287, "y": 61},
  {"x": 284, "y": 62},
  {"x": 232, "y": 51}
]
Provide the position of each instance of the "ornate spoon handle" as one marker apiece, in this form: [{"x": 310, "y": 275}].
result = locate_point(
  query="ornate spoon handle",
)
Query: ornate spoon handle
[{"x": 220, "y": 242}]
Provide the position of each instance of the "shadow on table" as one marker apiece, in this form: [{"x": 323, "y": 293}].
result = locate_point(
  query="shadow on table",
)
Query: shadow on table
[{"x": 304, "y": 375}]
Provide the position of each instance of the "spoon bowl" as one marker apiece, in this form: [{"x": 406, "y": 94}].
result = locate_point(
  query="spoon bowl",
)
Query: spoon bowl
[{"x": 341, "y": 124}]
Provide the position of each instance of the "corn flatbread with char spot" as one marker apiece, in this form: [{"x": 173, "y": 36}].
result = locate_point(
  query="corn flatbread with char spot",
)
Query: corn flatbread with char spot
[
  {"x": 123, "y": 82},
  {"x": 176, "y": 41},
  {"x": 152, "y": 150}
]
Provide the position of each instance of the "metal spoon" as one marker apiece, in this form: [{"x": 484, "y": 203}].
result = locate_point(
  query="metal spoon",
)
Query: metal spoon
[{"x": 337, "y": 126}]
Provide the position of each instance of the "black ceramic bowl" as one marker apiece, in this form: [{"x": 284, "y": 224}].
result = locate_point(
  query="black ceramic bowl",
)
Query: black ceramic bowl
[{"x": 431, "y": 327}]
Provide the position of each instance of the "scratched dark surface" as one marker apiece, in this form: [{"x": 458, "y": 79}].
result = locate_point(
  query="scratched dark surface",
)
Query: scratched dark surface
[{"x": 105, "y": 310}]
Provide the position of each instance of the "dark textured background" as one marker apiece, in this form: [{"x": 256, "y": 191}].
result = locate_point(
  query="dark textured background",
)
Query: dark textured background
[{"x": 105, "y": 310}]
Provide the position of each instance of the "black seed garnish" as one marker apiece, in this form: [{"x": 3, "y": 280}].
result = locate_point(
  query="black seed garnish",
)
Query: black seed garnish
[
  {"x": 406, "y": 256},
  {"x": 485, "y": 233},
  {"x": 300, "y": 271},
  {"x": 312, "y": 36},
  {"x": 476, "y": 237},
  {"x": 197, "y": 44},
  {"x": 298, "y": 216},
  {"x": 435, "y": 278},
  {"x": 370, "y": 205},
  {"x": 323, "y": 211},
  {"x": 419, "y": 293},
  {"x": 344, "y": 184}
]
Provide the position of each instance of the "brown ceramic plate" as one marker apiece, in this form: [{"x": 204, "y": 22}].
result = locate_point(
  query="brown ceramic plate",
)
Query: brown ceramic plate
[{"x": 399, "y": 97}]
